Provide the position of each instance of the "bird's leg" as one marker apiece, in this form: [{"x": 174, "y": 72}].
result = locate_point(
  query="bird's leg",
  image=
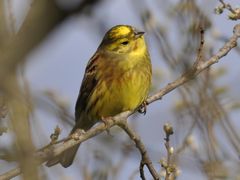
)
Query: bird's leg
[
  {"x": 105, "y": 120},
  {"x": 143, "y": 107}
]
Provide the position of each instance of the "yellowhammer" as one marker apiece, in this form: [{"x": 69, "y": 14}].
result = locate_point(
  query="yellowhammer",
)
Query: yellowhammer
[{"x": 117, "y": 78}]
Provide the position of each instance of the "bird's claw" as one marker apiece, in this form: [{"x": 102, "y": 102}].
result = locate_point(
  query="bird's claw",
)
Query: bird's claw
[
  {"x": 106, "y": 123},
  {"x": 143, "y": 108}
]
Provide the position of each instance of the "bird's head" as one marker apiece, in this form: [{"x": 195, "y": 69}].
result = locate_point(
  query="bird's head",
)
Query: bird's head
[{"x": 124, "y": 39}]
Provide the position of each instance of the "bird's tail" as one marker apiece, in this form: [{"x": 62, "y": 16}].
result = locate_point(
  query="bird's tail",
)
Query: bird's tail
[{"x": 66, "y": 158}]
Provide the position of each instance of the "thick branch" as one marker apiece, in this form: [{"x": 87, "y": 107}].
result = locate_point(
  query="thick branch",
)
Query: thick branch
[{"x": 47, "y": 153}]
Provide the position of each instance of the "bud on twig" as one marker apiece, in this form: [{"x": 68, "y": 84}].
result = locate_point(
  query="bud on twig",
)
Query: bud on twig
[
  {"x": 168, "y": 129},
  {"x": 55, "y": 135}
]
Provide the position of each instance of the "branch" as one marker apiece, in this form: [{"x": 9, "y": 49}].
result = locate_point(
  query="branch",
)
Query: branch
[
  {"x": 230, "y": 44},
  {"x": 227, "y": 6},
  {"x": 234, "y": 13},
  {"x": 51, "y": 151},
  {"x": 139, "y": 144}
]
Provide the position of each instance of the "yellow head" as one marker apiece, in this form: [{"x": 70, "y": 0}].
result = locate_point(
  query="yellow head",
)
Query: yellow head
[{"x": 124, "y": 39}]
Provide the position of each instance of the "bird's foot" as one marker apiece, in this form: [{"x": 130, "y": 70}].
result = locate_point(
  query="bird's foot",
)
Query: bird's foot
[
  {"x": 105, "y": 120},
  {"x": 143, "y": 107}
]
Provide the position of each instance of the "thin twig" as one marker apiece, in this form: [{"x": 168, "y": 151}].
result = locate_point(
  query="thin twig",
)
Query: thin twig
[
  {"x": 227, "y": 6},
  {"x": 234, "y": 13},
  {"x": 230, "y": 44},
  {"x": 139, "y": 144},
  {"x": 200, "y": 49},
  {"x": 186, "y": 138},
  {"x": 168, "y": 166}
]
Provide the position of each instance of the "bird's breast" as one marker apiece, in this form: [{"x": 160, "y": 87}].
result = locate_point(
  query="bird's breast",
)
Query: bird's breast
[{"x": 120, "y": 91}]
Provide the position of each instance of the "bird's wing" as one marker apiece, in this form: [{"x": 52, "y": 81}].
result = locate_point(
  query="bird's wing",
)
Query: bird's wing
[{"x": 88, "y": 85}]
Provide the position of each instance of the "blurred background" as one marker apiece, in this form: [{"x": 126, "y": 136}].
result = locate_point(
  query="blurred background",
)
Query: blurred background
[{"x": 44, "y": 48}]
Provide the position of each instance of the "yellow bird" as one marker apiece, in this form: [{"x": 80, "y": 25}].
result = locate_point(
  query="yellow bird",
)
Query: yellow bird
[{"x": 117, "y": 79}]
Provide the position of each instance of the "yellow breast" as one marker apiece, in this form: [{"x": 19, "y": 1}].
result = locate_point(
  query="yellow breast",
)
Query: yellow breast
[{"x": 120, "y": 91}]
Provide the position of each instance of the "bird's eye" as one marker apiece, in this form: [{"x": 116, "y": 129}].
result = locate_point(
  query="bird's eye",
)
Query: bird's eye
[{"x": 124, "y": 42}]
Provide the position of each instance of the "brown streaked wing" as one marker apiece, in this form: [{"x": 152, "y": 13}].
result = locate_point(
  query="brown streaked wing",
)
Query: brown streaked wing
[{"x": 88, "y": 85}]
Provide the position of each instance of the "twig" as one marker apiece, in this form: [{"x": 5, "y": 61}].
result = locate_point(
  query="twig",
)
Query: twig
[
  {"x": 186, "y": 138},
  {"x": 200, "y": 49},
  {"x": 168, "y": 166},
  {"x": 54, "y": 151},
  {"x": 54, "y": 136},
  {"x": 54, "y": 139},
  {"x": 230, "y": 44},
  {"x": 139, "y": 144},
  {"x": 10, "y": 174},
  {"x": 227, "y": 6},
  {"x": 234, "y": 13},
  {"x": 141, "y": 170}
]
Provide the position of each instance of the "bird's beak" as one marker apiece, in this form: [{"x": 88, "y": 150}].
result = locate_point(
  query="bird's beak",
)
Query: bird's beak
[{"x": 138, "y": 34}]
